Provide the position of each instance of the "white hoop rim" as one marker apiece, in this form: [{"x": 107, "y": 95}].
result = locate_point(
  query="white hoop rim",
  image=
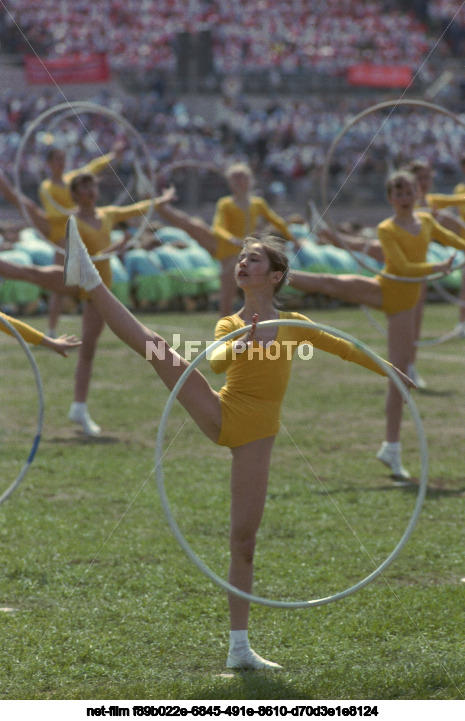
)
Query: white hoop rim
[
  {"x": 40, "y": 415},
  {"x": 329, "y": 156},
  {"x": 76, "y": 107},
  {"x": 225, "y": 585}
]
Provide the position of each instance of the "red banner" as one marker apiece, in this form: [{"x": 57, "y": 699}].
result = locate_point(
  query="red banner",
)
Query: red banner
[
  {"x": 75, "y": 68},
  {"x": 380, "y": 76}
]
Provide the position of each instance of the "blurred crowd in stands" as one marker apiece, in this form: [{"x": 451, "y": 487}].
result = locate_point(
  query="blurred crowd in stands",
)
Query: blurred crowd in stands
[{"x": 325, "y": 35}]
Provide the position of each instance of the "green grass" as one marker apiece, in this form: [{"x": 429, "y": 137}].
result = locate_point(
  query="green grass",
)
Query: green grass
[{"x": 105, "y": 605}]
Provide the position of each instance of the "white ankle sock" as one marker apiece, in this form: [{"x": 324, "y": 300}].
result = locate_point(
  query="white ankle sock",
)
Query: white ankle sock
[
  {"x": 90, "y": 277},
  {"x": 238, "y": 640},
  {"x": 78, "y": 407}
]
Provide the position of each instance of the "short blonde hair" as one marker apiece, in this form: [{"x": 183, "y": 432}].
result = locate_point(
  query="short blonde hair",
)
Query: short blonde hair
[{"x": 238, "y": 168}]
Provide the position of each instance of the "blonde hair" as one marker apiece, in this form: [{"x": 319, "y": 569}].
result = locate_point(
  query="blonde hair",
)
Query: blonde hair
[
  {"x": 398, "y": 179},
  {"x": 238, "y": 168}
]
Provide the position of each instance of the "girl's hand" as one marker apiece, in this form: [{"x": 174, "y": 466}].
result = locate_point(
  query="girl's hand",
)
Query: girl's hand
[
  {"x": 445, "y": 266},
  {"x": 168, "y": 195},
  {"x": 408, "y": 383},
  {"x": 241, "y": 344},
  {"x": 250, "y": 335},
  {"x": 62, "y": 344}
]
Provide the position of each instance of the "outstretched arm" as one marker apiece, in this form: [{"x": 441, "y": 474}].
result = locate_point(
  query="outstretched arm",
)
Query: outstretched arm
[{"x": 20, "y": 201}]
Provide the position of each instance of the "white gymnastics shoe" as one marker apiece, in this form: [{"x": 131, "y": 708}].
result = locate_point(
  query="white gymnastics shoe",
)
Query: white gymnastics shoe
[
  {"x": 389, "y": 454},
  {"x": 248, "y": 659},
  {"x": 78, "y": 267},
  {"x": 414, "y": 375},
  {"x": 78, "y": 413}
]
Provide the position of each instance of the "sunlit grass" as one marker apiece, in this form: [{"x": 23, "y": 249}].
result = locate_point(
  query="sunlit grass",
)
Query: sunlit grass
[{"x": 102, "y": 601}]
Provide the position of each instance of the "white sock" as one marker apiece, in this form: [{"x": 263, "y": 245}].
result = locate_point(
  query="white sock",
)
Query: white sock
[
  {"x": 239, "y": 641},
  {"x": 396, "y": 446},
  {"x": 90, "y": 277},
  {"x": 78, "y": 407}
]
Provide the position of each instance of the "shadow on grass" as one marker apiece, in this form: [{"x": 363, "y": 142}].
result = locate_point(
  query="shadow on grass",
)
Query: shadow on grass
[
  {"x": 436, "y": 394},
  {"x": 81, "y": 439},
  {"x": 245, "y": 685}
]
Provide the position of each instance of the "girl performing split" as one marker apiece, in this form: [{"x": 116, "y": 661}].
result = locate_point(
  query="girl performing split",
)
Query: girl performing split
[
  {"x": 244, "y": 415},
  {"x": 404, "y": 238}
]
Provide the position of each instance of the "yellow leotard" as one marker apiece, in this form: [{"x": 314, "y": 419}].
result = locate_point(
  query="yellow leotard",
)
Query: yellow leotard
[
  {"x": 231, "y": 221},
  {"x": 256, "y": 381},
  {"x": 53, "y": 196},
  {"x": 98, "y": 240},
  {"x": 405, "y": 255},
  {"x": 27, "y": 333}
]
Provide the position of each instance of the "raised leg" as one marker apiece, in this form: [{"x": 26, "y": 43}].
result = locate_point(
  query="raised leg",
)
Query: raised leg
[
  {"x": 350, "y": 288},
  {"x": 196, "y": 227}
]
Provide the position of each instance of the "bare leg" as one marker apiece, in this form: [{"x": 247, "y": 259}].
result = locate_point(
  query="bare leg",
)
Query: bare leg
[
  {"x": 401, "y": 338},
  {"x": 36, "y": 213},
  {"x": 55, "y": 302},
  {"x": 196, "y": 227},
  {"x": 92, "y": 326},
  {"x": 351, "y": 288},
  {"x": 196, "y": 395},
  {"x": 49, "y": 277},
  {"x": 249, "y": 482}
]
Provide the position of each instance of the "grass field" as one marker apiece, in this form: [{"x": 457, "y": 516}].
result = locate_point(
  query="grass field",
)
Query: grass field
[{"x": 98, "y": 601}]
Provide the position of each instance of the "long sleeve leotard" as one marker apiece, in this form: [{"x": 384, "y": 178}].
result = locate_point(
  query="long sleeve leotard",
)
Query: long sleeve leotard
[{"x": 256, "y": 380}]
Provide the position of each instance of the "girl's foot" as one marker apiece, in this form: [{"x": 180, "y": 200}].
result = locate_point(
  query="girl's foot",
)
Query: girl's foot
[
  {"x": 248, "y": 659},
  {"x": 389, "y": 454},
  {"x": 78, "y": 413}
]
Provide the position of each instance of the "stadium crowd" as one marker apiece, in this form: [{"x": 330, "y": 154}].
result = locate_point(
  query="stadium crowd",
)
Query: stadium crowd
[{"x": 325, "y": 35}]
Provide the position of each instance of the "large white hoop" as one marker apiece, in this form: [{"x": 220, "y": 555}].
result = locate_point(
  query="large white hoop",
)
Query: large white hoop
[
  {"x": 175, "y": 527},
  {"x": 329, "y": 156},
  {"x": 75, "y": 108},
  {"x": 40, "y": 414}
]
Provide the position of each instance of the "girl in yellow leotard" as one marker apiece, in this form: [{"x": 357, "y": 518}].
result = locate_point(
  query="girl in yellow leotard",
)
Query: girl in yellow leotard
[
  {"x": 439, "y": 204},
  {"x": 57, "y": 202},
  {"x": 404, "y": 239},
  {"x": 36, "y": 337},
  {"x": 244, "y": 415},
  {"x": 236, "y": 216},
  {"x": 95, "y": 225}
]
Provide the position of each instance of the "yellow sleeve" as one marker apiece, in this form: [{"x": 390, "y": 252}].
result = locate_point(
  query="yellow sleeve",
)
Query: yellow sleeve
[
  {"x": 95, "y": 167},
  {"x": 124, "y": 212},
  {"x": 396, "y": 256},
  {"x": 439, "y": 200},
  {"x": 27, "y": 332},
  {"x": 336, "y": 346},
  {"x": 273, "y": 218},
  {"x": 222, "y": 357}
]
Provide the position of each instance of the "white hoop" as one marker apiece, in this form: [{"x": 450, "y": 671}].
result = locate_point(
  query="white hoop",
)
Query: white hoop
[
  {"x": 372, "y": 109},
  {"x": 174, "y": 526},
  {"x": 40, "y": 416},
  {"x": 74, "y": 108}
]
